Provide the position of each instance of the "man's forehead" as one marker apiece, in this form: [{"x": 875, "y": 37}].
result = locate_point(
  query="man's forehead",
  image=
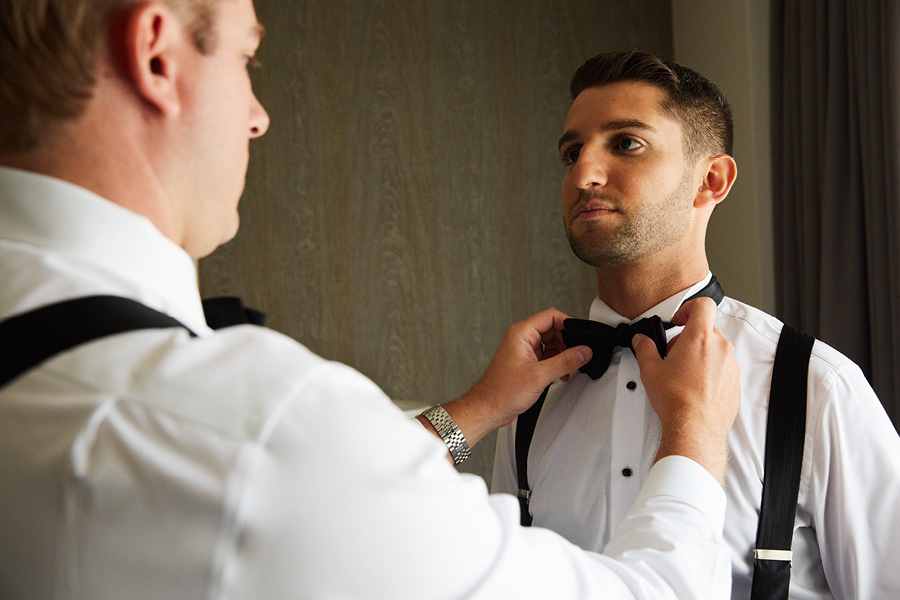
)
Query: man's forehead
[{"x": 621, "y": 105}]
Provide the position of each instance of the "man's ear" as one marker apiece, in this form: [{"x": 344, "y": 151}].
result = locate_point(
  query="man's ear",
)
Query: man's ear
[
  {"x": 150, "y": 37},
  {"x": 720, "y": 175}
]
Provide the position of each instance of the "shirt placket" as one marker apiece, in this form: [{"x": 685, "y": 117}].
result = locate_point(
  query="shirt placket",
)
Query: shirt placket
[{"x": 628, "y": 428}]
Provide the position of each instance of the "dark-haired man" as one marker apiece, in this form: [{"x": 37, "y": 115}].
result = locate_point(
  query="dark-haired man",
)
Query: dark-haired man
[{"x": 646, "y": 149}]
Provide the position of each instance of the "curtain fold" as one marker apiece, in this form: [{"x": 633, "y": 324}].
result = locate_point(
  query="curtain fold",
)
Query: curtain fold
[{"x": 836, "y": 177}]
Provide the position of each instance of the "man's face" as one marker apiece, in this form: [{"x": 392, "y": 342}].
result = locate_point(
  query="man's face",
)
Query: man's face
[
  {"x": 221, "y": 114},
  {"x": 627, "y": 193}
]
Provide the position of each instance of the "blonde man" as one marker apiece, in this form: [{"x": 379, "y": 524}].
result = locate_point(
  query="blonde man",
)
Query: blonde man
[{"x": 237, "y": 464}]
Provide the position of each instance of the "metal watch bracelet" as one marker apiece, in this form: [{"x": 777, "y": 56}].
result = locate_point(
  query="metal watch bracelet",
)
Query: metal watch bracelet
[{"x": 446, "y": 427}]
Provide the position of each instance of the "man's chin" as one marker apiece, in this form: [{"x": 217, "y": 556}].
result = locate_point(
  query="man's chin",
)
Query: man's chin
[
  {"x": 596, "y": 254},
  {"x": 230, "y": 234},
  {"x": 203, "y": 248}
]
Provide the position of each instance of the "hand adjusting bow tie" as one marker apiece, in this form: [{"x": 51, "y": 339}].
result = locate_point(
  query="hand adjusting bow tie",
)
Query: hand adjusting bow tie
[
  {"x": 603, "y": 339},
  {"x": 226, "y": 311}
]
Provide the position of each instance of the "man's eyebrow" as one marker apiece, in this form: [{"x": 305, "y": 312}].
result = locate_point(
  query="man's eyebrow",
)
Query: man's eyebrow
[
  {"x": 568, "y": 136},
  {"x": 258, "y": 31}
]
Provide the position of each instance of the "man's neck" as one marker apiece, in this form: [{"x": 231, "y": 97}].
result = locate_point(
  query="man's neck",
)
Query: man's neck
[
  {"x": 632, "y": 290},
  {"x": 120, "y": 177}
]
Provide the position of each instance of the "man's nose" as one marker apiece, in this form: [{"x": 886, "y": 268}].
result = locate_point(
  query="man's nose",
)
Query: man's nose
[
  {"x": 259, "y": 119},
  {"x": 590, "y": 170}
]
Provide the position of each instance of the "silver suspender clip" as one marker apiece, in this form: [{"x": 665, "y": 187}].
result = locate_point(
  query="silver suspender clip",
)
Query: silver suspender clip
[{"x": 784, "y": 555}]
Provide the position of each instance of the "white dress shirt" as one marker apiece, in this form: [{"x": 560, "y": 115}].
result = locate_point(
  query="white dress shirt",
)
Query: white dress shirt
[
  {"x": 240, "y": 465},
  {"x": 595, "y": 441}
]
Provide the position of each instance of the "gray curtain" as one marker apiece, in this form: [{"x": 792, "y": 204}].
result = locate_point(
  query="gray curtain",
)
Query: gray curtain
[{"x": 836, "y": 176}]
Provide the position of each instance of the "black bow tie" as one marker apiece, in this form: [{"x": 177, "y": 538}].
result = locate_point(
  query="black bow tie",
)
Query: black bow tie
[
  {"x": 603, "y": 339},
  {"x": 228, "y": 310}
]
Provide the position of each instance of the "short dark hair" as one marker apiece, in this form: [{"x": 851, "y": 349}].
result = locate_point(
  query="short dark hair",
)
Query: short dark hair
[{"x": 691, "y": 99}]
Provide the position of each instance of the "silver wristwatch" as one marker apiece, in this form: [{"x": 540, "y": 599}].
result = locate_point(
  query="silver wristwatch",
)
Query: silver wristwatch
[{"x": 446, "y": 427}]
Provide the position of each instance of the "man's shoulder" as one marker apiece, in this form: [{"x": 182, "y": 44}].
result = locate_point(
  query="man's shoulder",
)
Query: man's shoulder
[
  {"x": 742, "y": 323},
  {"x": 234, "y": 380},
  {"x": 755, "y": 335}
]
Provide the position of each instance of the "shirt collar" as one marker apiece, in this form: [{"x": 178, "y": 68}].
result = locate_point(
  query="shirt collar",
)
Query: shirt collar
[
  {"x": 83, "y": 227},
  {"x": 600, "y": 311}
]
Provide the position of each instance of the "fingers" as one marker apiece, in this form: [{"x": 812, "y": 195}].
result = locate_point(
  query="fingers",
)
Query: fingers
[
  {"x": 698, "y": 317},
  {"x": 563, "y": 363},
  {"x": 555, "y": 361},
  {"x": 696, "y": 390},
  {"x": 548, "y": 320},
  {"x": 644, "y": 350},
  {"x": 700, "y": 311},
  {"x": 543, "y": 331}
]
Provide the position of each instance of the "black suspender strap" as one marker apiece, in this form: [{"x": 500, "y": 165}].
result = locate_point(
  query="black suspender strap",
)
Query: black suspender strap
[
  {"x": 785, "y": 432},
  {"x": 28, "y": 339},
  {"x": 524, "y": 432}
]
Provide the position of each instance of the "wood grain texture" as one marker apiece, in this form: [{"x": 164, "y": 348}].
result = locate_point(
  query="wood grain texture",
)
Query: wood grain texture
[{"x": 404, "y": 207}]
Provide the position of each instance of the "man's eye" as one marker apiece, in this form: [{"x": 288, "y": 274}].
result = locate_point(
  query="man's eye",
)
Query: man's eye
[
  {"x": 627, "y": 143},
  {"x": 569, "y": 156}
]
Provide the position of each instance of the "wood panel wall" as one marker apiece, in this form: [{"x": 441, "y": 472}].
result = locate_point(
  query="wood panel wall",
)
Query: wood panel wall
[{"x": 404, "y": 207}]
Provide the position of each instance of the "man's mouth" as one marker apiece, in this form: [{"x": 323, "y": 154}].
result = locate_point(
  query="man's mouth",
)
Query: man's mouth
[{"x": 592, "y": 209}]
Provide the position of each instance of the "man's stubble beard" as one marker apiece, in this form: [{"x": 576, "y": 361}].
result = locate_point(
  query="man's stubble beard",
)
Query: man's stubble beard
[{"x": 641, "y": 232}]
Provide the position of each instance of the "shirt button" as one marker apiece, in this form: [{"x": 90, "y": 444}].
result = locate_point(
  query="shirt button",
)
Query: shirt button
[
  {"x": 627, "y": 472},
  {"x": 631, "y": 385}
]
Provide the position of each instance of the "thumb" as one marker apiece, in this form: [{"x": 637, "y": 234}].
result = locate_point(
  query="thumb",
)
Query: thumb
[
  {"x": 644, "y": 350},
  {"x": 564, "y": 363}
]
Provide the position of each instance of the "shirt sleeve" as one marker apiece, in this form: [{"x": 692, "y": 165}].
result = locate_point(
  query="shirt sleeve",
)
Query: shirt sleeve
[
  {"x": 504, "y": 479},
  {"x": 854, "y": 488},
  {"x": 349, "y": 499}
]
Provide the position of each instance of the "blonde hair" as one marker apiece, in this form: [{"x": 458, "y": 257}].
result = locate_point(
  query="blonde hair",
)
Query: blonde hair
[{"x": 48, "y": 55}]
